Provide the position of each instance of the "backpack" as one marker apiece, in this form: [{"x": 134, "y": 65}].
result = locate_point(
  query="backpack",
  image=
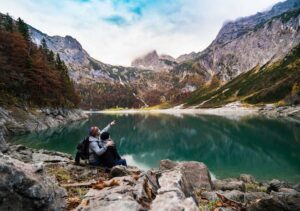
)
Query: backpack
[{"x": 82, "y": 150}]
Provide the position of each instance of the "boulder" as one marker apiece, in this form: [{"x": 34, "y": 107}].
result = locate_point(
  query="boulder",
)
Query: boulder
[
  {"x": 119, "y": 171},
  {"x": 171, "y": 194},
  {"x": 229, "y": 184},
  {"x": 210, "y": 195},
  {"x": 253, "y": 196},
  {"x": 171, "y": 201},
  {"x": 277, "y": 201},
  {"x": 196, "y": 174},
  {"x": 275, "y": 185},
  {"x": 247, "y": 178},
  {"x": 121, "y": 197},
  {"x": 234, "y": 195},
  {"x": 48, "y": 156},
  {"x": 288, "y": 190},
  {"x": 23, "y": 189}
]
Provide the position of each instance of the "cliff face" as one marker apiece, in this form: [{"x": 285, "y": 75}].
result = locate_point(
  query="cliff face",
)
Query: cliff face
[
  {"x": 81, "y": 65},
  {"x": 245, "y": 43}
]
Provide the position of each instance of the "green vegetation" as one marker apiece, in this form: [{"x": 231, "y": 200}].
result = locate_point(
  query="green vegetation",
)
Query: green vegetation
[
  {"x": 271, "y": 83},
  {"x": 253, "y": 187},
  {"x": 164, "y": 105}
]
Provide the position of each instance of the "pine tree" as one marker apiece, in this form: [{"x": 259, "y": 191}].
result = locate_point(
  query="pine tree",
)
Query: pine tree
[
  {"x": 50, "y": 57},
  {"x": 23, "y": 29},
  {"x": 58, "y": 62},
  {"x": 8, "y": 23}
]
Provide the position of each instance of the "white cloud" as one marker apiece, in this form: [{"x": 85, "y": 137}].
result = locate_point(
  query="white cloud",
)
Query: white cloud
[{"x": 115, "y": 32}]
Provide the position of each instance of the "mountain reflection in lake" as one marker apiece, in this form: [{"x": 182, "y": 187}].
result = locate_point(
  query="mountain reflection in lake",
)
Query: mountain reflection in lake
[{"x": 265, "y": 148}]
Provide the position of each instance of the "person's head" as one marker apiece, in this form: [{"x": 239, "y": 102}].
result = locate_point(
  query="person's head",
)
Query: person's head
[
  {"x": 104, "y": 136},
  {"x": 94, "y": 131}
]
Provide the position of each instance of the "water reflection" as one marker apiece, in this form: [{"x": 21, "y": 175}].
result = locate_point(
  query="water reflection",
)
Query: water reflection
[{"x": 263, "y": 147}]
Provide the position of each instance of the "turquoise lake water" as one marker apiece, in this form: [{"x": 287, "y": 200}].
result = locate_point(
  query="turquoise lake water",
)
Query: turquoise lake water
[{"x": 265, "y": 148}]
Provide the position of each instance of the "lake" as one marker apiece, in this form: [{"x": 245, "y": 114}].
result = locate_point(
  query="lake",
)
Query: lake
[{"x": 265, "y": 148}]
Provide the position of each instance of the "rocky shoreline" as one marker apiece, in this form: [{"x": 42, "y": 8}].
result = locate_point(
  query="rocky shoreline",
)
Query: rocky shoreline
[
  {"x": 21, "y": 120},
  {"x": 51, "y": 181}
]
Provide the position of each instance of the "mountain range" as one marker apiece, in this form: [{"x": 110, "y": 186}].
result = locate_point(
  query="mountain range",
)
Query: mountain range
[{"x": 241, "y": 46}]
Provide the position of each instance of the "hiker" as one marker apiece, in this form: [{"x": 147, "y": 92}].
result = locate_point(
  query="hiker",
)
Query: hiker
[
  {"x": 96, "y": 146},
  {"x": 91, "y": 147},
  {"x": 111, "y": 156}
]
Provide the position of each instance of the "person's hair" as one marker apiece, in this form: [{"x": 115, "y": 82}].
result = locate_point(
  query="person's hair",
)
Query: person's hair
[
  {"x": 94, "y": 131},
  {"x": 104, "y": 136}
]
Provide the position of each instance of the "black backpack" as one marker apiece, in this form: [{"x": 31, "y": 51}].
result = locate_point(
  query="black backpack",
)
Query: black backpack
[{"x": 82, "y": 150}]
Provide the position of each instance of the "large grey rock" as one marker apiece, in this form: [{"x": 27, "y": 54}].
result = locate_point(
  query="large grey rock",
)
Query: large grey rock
[
  {"x": 28, "y": 155},
  {"x": 47, "y": 156},
  {"x": 229, "y": 184},
  {"x": 275, "y": 185},
  {"x": 171, "y": 194},
  {"x": 196, "y": 174},
  {"x": 277, "y": 201},
  {"x": 234, "y": 195},
  {"x": 170, "y": 201},
  {"x": 23, "y": 189},
  {"x": 119, "y": 171},
  {"x": 253, "y": 196},
  {"x": 120, "y": 197}
]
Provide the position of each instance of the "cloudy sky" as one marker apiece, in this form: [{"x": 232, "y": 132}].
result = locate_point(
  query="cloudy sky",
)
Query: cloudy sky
[{"x": 117, "y": 31}]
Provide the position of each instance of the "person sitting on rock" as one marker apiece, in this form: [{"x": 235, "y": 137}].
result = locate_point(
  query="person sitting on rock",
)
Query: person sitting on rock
[
  {"x": 96, "y": 146},
  {"x": 111, "y": 156}
]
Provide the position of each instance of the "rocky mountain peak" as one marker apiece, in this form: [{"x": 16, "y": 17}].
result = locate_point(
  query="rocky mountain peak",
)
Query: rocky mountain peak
[
  {"x": 234, "y": 29},
  {"x": 186, "y": 57},
  {"x": 153, "y": 61}
]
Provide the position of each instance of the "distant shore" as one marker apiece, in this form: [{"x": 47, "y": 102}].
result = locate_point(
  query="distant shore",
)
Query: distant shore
[
  {"x": 231, "y": 110},
  {"x": 238, "y": 112}
]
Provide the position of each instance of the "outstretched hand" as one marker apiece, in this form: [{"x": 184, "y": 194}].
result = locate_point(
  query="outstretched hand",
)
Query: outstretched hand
[{"x": 113, "y": 123}]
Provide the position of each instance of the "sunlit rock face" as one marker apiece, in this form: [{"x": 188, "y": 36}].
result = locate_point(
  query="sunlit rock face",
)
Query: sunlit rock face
[
  {"x": 153, "y": 61},
  {"x": 247, "y": 42}
]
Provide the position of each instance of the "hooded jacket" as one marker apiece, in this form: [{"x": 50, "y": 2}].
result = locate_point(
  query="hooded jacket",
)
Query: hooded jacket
[{"x": 97, "y": 147}]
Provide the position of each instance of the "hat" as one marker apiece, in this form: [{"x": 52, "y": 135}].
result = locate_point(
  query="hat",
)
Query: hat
[{"x": 104, "y": 136}]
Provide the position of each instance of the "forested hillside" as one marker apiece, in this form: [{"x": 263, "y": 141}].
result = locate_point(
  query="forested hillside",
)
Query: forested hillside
[{"x": 31, "y": 75}]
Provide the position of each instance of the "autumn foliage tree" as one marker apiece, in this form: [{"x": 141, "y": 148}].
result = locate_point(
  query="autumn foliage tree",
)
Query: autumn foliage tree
[{"x": 29, "y": 74}]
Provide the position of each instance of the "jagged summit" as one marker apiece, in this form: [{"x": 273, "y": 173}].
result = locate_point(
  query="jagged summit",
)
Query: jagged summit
[{"x": 153, "y": 61}]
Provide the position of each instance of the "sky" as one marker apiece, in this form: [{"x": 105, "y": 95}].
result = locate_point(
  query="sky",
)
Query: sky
[{"x": 117, "y": 31}]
